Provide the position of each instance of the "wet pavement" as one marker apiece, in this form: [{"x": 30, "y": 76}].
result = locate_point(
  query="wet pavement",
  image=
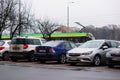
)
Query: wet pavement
[{"x": 53, "y": 71}]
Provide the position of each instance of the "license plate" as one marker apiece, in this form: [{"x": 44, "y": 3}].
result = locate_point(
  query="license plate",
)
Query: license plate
[
  {"x": 73, "y": 58},
  {"x": 116, "y": 58},
  {"x": 16, "y": 48},
  {"x": 42, "y": 50}
]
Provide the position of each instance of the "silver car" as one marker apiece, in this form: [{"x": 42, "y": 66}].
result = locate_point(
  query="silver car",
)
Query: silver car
[
  {"x": 113, "y": 57},
  {"x": 93, "y": 51}
]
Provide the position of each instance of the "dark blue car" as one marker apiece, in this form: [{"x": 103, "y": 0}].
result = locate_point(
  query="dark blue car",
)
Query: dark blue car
[{"x": 53, "y": 50}]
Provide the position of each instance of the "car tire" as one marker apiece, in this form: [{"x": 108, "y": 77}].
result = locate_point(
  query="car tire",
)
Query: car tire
[
  {"x": 62, "y": 59},
  {"x": 73, "y": 64},
  {"x": 31, "y": 57},
  {"x": 97, "y": 60},
  {"x": 111, "y": 66},
  {"x": 14, "y": 59},
  {"x": 42, "y": 61},
  {"x": 5, "y": 56}
]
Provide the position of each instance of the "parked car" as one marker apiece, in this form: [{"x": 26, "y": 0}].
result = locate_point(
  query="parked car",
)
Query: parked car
[
  {"x": 93, "y": 52},
  {"x": 113, "y": 57},
  {"x": 4, "y": 49},
  {"x": 53, "y": 50},
  {"x": 23, "y": 47}
]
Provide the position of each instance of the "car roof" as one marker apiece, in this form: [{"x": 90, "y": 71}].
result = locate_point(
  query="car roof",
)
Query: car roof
[
  {"x": 102, "y": 40},
  {"x": 6, "y": 40},
  {"x": 59, "y": 40},
  {"x": 26, "y": 38}
]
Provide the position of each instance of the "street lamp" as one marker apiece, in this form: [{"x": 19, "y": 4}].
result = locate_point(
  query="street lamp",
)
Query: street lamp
[
  {"x": 79, "y": 24},
  {"x": 68, "y": 13}
]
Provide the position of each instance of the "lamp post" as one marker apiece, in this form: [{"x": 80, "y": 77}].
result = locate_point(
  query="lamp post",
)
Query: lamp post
[
  {"x": 68, "y": 10},
  {"x": 79, "y": 24},
  {"x": 83, "y": 27}
]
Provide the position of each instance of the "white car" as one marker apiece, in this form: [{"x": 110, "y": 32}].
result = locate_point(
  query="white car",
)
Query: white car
[
  {"x": 93, "y": 51},
  {"x": 4, "y": 49},
  {"x": 24, "y": 47}
]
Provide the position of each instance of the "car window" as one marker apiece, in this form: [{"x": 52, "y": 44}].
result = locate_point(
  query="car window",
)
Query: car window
[
  {"x": 24, "y": 41},
  {"x": 66, "y": 45},
  {"x": 51, "y": 43},
  {"x": 30, "y": 41},
  {"x": 114, "y": 44},
  {"x": 9, "y": 42},
  {"x": 36, "y": 42},
  {"x": 73, "y": 45},
  {"x": 33, "y": 41},
  {"x": 106, "y": 44},
  {"x": 18, "y": 41},
  {"x": 2, "y": 43},
  {"x": 118, "y": 43},
  {"x": 91, "y": 44},
  {"x": 43, "y": 40}
]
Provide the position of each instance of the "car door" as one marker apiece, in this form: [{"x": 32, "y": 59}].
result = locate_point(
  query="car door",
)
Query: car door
[
  {"x": 103, "y": 50},
  {"x": 112, "y": 44}
]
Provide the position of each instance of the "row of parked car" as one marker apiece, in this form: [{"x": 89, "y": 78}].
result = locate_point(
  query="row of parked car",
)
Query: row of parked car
[{"x": 96, "y": 52}]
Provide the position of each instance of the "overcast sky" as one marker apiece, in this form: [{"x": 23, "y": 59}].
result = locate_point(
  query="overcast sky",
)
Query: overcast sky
[{"x": 87, "y": 12}]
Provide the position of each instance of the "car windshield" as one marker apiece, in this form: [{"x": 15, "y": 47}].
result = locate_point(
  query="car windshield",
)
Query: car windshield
[
  {"x": 26, "y": 41},
  {"x": 18, "y": 41},
  {"x": 51, "y": 43},
  {"x": 91, "y": 44},
  {"x": 2, "y": 43}
]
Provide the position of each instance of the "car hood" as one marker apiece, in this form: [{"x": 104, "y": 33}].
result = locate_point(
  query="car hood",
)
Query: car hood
[{"x": 81, "y": 50}]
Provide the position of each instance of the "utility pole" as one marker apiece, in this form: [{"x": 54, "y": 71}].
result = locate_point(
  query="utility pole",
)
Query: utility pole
[{"x": 19, "y": 18}]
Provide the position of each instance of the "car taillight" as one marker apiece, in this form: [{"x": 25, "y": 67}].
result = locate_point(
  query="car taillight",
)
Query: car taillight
[
  {"x": 51, "y": 50},
  {"x": 2, "y": 47},
  {"x": 35, "y": 50},
  {"x": 25, "y": 46}
]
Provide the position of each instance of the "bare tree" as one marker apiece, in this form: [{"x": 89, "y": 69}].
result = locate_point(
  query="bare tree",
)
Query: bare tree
[
  {"x": 20, "y": 21},
  {"x": 106, "y": 32},
  {"x": 46, "y": 27},
  {"x": 6, "y": 8}
]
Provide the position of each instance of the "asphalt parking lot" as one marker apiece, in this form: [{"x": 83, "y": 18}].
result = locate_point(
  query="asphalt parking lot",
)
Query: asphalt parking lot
[
  {"x": 24, "y": 70},
  {"x": 55, "y": 65}
]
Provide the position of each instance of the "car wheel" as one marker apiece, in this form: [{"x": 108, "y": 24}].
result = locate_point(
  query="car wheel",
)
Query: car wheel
[
  {"x": 97, "y": 60},
  {"x": 73, "y": 64},
  {"x": 6, "y": 56},
  {"x": 42, "y": 61},
  {"x": 110, "y": 66},
  {"x": 14, "y": 59},
  {"x": 31, "y": 58},
  {"x": 62, "y": 59}
]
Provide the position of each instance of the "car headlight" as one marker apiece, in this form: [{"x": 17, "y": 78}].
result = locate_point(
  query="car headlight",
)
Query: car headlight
[{"x": 87, "y": 53}]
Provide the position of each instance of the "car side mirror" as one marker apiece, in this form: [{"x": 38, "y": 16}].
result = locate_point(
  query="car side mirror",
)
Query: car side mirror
[{"x": 105, "y": 47}]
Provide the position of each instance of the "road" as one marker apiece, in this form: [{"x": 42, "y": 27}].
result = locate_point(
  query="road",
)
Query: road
[{"x": 53, "y": 71}]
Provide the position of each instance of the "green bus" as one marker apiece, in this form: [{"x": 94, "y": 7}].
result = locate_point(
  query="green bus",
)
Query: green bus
[{"x": 77, "y": 37}]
